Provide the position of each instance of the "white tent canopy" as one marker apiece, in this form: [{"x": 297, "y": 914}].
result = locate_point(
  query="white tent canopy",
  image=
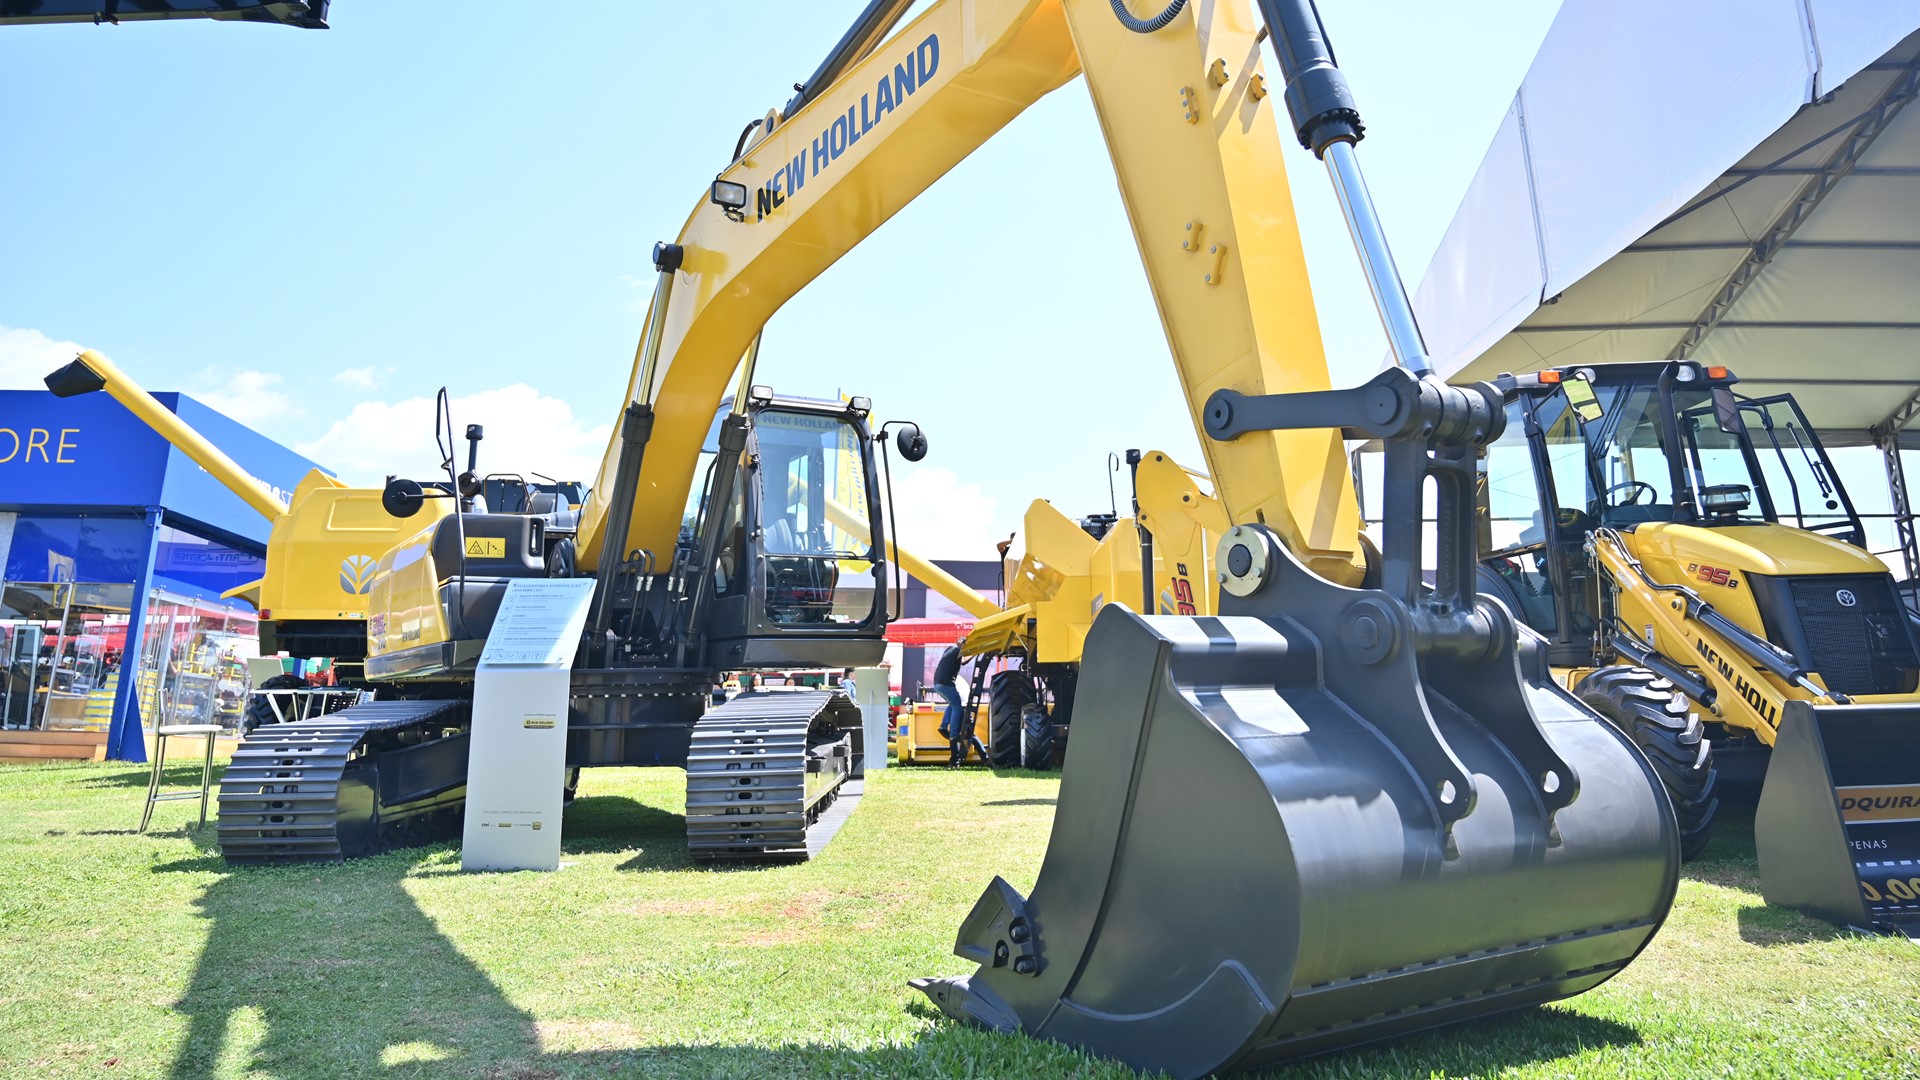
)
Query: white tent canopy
[{"x": 1733, "y": 181}]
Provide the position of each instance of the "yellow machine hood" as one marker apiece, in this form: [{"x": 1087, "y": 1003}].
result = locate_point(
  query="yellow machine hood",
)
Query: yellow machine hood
[{"x": 1776, "y": 550}]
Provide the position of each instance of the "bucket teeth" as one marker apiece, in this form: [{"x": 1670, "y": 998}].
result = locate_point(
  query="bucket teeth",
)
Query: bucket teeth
[{"x": 998, "y": 934}]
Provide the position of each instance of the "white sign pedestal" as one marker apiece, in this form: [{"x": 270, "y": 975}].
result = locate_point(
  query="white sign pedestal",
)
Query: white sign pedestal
[
  {"x": 870, "y": 686},
  {"x": 517, "y": 753}
]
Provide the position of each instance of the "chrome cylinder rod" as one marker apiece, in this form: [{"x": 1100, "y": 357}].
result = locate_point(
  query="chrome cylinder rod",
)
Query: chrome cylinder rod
[{"x": 1390, "y": 297}]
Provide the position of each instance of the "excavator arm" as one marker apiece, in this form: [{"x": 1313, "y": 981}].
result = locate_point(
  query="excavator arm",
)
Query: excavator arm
[{"x": 1186, "y": 112}]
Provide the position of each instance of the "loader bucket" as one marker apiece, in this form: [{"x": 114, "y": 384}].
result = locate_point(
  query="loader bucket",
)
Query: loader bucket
[
  {"x": 1250, "y": 861},
  {"x": 1838, "y": 825}
]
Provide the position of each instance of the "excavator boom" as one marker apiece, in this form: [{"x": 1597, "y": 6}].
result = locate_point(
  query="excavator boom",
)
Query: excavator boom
[{"x": 1200, "y": 171}]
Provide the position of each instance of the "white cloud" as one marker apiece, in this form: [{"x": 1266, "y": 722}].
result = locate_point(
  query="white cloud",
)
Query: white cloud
[
  {"x": 941, "y": 518},
  {"x": 251, "y": 397},
  {"x": 358, "y": 378},
  {"x": 526, "y": 432},
  {"x": 26, "y": 356},
  {"x": 640, "y": 291}
]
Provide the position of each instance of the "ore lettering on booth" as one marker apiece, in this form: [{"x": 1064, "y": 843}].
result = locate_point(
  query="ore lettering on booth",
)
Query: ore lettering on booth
[{"x": 54, "y": 446}]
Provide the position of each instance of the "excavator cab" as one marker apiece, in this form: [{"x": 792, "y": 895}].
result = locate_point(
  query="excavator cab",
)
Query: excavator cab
[{"x": 795, "y": 573}]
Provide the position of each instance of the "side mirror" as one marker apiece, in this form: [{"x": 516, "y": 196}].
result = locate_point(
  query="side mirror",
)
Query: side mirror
[
  {"x": 1726, "y": 411},
  {"x": 402, "y": 498},
  {"x": 910, "y": 442},
  {"x": 1580, "y": 395}
]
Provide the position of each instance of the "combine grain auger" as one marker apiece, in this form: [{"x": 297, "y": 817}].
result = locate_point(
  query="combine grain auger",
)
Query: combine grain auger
[{"x": 1330, "y": 814}]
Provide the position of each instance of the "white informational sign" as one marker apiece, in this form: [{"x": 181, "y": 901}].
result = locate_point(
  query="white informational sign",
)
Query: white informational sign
[
  {"x": 876, "y": 722},
  {"x": 540, "y": 622},
  {"x": 517, "y": 752}
]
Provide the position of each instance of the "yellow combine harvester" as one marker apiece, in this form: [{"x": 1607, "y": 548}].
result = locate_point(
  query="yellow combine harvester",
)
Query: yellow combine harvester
[
  {"x": 323, "y": 546},
  {"x": 1699, "y": 573}
]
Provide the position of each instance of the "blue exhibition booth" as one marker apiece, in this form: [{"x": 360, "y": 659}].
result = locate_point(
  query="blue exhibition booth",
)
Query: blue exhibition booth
[{"x": 115, "y": 550}]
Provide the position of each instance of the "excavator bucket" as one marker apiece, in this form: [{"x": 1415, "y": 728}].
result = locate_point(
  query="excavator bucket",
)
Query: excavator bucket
[
  {"x": 1282, "y": 832},
  {"x": 1838, "y": 825}
]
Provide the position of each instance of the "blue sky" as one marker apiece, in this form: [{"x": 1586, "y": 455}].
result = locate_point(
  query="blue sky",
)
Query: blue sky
[{"x": 316, "y": 230}]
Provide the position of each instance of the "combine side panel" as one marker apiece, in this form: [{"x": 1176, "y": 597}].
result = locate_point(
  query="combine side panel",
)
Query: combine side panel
[
  {"x": 1838, "y": 826},
  {"x": 1245, "y": 867}
]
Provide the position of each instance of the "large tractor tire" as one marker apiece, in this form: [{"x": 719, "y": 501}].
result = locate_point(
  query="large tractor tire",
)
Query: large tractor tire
[
  {"x": 1037, "y": 742},
  {"x": 258, "y": 710},
  {"x": 1661, "y": 722},
  {"x": 1008, "y": 693}
]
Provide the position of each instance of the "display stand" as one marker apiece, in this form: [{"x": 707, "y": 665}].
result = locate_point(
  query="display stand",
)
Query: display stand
[
  {"x": 876, "y": 720},
  {"x": 517, "y": 753}
]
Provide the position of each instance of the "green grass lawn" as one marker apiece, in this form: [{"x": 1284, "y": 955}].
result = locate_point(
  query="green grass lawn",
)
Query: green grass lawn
[{"x": 146, "y": 956}]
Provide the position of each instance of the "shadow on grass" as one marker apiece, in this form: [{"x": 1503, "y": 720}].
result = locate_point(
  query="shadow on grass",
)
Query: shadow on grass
[
  {"x": 183, "y": 775},
  {"x": 1487, "y": 1047},
  {"x": 334, "y": 971},
  {"x": 1021, "y": 802},
  {"x": 1729, "y": 859},
  {"x": 1763, "y": 925}
]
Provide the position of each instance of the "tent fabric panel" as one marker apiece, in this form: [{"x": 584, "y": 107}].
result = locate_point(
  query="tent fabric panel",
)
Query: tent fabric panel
[
  {"x": 1499, "y": 209},
  {"x": 1665, "y": 287},
  {"x": 1531, "y": 350},
  {"x": 1631, "y": 113},
  {"x": 1612, "y": 155},
  {"x": 1838, "y": 287}
]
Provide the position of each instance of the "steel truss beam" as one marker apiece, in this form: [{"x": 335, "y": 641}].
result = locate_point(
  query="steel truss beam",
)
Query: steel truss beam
[{"x": 1816, "y": 188}]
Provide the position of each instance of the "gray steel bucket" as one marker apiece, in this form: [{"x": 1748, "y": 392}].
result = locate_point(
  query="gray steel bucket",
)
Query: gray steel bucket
[
  {"x": 1244, "y": 870},
  {"x": 1838, "y": 825}
]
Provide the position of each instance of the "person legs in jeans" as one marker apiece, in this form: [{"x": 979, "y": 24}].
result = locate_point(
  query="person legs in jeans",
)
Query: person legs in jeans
[{"x": 950, "y": 725}]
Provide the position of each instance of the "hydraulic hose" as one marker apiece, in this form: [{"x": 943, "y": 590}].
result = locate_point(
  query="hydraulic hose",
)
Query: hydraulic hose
[{"x": 1146, "y": 26}]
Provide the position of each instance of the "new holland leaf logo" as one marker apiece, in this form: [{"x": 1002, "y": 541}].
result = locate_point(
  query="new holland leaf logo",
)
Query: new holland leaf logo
[{"x": 356, "y": 574}]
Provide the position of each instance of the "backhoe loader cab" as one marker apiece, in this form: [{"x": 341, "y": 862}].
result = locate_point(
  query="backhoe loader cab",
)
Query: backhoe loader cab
[
  {"x": 1698, "y": 571},
  {"x": 1671, "y": 445}
]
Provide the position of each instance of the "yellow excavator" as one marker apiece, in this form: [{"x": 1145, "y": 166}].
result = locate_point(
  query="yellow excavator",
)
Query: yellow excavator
[
  {"x": 1699, "y": 573},
  {"x": 1068, "y": 570},
  {"x": 1347, "y": 805}
]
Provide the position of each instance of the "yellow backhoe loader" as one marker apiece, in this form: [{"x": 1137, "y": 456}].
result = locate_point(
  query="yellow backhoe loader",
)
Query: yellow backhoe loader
[
  {"x": 1698, "y": 570},
  {"x": 1067, "y": 572},
  {"x": 1345, "y": 806}
]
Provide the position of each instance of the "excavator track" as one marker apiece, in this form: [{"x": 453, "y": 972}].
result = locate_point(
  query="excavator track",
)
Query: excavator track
[
  {"x": 351, "y": 783},
  {"x": 770, "y": 776}
]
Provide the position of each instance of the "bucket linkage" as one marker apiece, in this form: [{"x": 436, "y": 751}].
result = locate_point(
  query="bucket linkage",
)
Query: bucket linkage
[{"x": 1328, "y": 815}]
